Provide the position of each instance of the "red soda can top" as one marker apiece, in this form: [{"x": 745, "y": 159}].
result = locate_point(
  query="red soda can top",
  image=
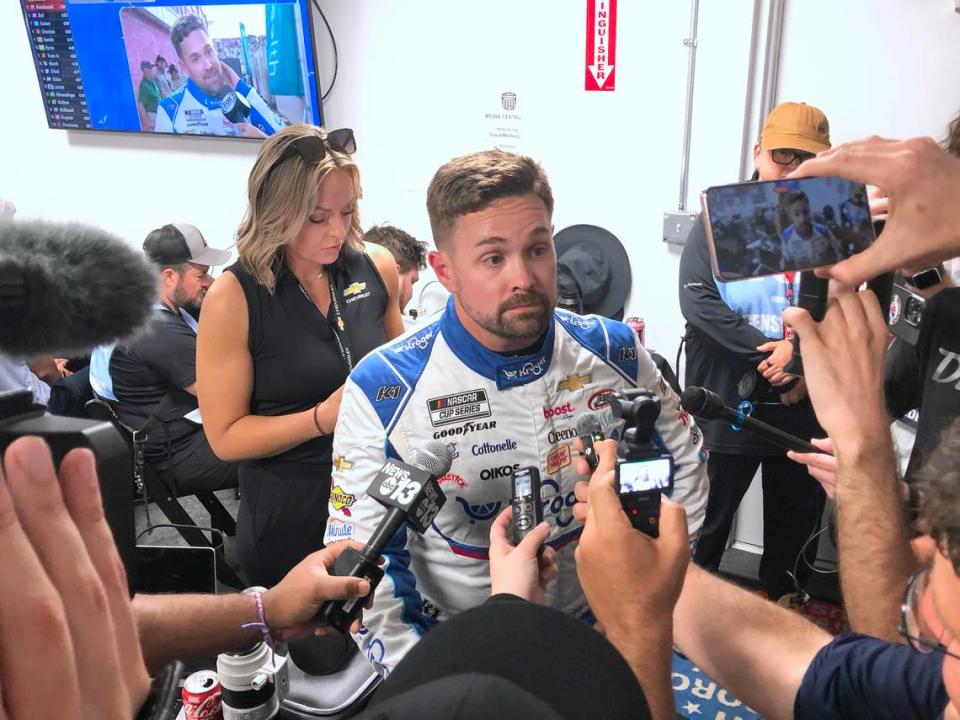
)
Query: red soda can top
[
  {"x": 201, "y": 696},
  {"x": 638, "y": 326}
]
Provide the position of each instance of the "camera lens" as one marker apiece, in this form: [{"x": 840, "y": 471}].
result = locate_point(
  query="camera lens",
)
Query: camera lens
[{"x": 914, "y": 312}]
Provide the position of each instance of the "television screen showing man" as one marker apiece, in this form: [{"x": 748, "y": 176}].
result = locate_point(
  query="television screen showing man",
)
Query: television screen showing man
[{"x": 215, "y": 100}]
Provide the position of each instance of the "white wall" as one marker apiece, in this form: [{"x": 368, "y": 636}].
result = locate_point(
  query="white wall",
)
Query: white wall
[{"x": 417, "y": 77}]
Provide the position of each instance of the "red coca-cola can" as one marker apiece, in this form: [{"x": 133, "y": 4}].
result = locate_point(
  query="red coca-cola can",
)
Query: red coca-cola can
[
  {"x": 201, "y": 696},
  {"x": 638, "y": 326}
]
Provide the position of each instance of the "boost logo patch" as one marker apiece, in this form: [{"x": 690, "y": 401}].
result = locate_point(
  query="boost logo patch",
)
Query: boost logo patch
[{"x": 459, "y": 407}]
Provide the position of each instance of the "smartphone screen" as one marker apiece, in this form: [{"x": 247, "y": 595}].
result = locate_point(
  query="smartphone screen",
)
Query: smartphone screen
[
  {"x": 764, "y": 228},
  {"x": 646, "y": 475}
]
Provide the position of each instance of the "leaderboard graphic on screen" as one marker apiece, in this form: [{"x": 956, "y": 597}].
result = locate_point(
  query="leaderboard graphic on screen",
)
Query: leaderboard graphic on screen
[{"x": 220, "y": 67}]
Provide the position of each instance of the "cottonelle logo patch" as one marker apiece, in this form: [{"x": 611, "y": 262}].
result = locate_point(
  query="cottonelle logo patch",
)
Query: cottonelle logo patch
[
  {"x": 572, "y": 383},
  {"x": 341, "y": 499},
  {"x": 600, "y": 399},
  {"x": 459, "y": 407}
]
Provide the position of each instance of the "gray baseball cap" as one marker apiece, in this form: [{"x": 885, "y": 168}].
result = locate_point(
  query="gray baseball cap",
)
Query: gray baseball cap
[{"x": 179, "y": 243}]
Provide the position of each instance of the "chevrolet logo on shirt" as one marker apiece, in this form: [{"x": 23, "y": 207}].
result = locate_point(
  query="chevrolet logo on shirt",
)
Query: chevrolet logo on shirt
[
  {"x": 573, "y": 382},
  {"x": 354, "y": 289},
  {"x": 341, "y": 463}
]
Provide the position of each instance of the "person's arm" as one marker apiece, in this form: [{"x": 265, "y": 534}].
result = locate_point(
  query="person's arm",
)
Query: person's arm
[
  {"x": 632, "y": 581},
  {"x": 704, "y": 309},
  {"x": 753, "y": 648},
  {"x": 701, "y": 616},
  {"x": 184, "y": 627},
  {"x": 387, "y": 267},
  {"x": 843, "y": 364},
  {"x": 395, "y": 621},
  {"x": 921, "y": 182},
  {"x": 262, "y": 117},
  {"x": 225, "y": 382}
]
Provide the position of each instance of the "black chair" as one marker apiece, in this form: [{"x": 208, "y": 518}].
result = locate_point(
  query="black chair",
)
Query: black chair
[{"x": 155, "y": 489}]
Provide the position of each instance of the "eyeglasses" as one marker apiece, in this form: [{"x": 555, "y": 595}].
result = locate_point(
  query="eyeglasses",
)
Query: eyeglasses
[
  {"x": 784, "y": 156},
  {"x": 912, "y": 627}
]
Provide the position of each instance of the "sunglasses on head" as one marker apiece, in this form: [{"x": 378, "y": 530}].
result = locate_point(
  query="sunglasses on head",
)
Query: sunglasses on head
[{"x": 313, "y": 149}]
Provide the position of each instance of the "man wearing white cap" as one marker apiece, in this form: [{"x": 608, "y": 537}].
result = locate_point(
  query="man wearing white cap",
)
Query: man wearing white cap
[{"x": 151, "y": 380}]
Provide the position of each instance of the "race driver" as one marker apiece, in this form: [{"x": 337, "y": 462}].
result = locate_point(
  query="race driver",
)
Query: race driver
[
  {"x": 196, "y": 107},
  {"x": 502, "y": 378}
]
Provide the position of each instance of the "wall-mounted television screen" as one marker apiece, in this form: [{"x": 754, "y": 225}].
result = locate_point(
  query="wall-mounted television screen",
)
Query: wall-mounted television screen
[{"x": 236, "y": 68}]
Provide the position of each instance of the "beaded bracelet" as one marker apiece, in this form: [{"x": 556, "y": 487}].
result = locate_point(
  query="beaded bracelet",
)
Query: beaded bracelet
[{"x": 262, "y": 622}]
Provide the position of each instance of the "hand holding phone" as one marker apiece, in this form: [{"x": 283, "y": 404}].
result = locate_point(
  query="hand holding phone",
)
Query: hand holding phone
[
  {"x": 640, "y": 484},
  {"x": 764, "y": 228}
]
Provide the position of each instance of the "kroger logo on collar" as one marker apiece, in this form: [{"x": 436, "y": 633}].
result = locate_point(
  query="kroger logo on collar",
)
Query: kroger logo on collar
[
  {"x": 417, "y": 342},
  {"x": 585, "y": 323},
  {"x": 523, "y": 371}
]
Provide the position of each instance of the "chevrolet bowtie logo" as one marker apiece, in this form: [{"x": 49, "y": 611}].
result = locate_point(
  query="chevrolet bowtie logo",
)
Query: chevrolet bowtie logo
[
  {"x": 573, "y": 382},
  {"x": 354, "y": 288},
  {"x": 341, "y": 463}
]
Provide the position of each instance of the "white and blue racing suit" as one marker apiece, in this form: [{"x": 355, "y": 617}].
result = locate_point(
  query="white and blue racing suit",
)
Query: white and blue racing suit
[
  {"x": 191, "y": 111},
  {"x": 496, "y": 413}
]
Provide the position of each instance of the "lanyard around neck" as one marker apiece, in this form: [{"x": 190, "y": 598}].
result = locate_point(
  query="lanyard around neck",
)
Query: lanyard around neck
[{"x": 338, "y": 327}]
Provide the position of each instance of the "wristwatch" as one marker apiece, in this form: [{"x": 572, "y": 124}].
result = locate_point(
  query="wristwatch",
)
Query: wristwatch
[{"x": 926, "y": 278}]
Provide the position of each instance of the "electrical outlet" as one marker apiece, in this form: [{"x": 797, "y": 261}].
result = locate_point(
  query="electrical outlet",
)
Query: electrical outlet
[{"x": 677, "y": 225}]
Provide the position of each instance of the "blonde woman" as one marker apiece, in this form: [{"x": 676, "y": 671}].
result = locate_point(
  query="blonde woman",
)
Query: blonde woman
[{"x": 281, "y": 330}]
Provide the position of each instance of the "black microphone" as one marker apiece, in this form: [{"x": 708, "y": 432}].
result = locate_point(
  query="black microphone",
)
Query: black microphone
[
  {"x": 812, "y": 297},
  {"x": 590, "y": 431},
  {"x": 235, "y": 107},
  {"x": 412, "y": 495},
  {"x": 703, "y": 403},
  {"x": 66, "y": 288}
]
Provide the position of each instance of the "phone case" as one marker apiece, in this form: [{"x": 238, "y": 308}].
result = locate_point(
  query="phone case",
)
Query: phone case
[{"x": 906, "y": 313}]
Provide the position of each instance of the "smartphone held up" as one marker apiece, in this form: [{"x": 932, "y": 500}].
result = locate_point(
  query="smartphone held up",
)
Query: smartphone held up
[{"x": 764, "y": 228}]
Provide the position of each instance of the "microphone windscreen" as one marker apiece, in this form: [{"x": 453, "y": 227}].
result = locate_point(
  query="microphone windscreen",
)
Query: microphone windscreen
[
  {"x": 66, "y": 288},
  {"x": 588, "y": 424},
  {"x": 701, "y": 402},
  {"x": 435, "y": 457}
]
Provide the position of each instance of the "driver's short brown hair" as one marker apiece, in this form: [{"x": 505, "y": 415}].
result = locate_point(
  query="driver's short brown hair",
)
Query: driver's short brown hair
[{"x": 470, "y": 183}]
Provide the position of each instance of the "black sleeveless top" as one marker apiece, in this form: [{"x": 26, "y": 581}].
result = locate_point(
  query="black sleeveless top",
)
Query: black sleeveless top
[{"x": 296, "y": 358}]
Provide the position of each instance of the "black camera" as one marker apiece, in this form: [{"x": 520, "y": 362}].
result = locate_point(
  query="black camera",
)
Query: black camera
[
  {"x": 19, "y": 416},
  {"x": 644, "y": 472}
]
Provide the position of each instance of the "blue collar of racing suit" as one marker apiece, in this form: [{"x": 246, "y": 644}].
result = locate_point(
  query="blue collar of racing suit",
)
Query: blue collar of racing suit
[
  {"x": 505, "y": 371},
  {"x": 210, "y": 103}
]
